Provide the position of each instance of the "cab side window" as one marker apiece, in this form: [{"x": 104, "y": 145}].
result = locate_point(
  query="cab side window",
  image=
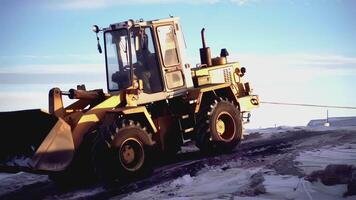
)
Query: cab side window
[
  {"x": 168, "y": 45},
  {"x": 147, "y": 68}
]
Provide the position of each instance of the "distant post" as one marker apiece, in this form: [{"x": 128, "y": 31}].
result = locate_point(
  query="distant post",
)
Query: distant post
[{"x": 327, "y": 124}]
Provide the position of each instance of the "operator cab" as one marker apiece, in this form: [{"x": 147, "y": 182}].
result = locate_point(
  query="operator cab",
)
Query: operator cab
[{"x": 151, "y": 52}]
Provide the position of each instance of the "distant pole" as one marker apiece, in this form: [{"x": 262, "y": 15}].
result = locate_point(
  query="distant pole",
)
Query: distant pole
[
  {"x": 327, "y": 119},
  {"x": 327, "y": 115}
]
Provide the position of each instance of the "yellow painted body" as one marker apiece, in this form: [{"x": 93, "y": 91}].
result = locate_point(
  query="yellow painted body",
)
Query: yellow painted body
[
  {"x": 76, "y": 120},
  {"x": 71, "y": 123},
  {"x": 223, "y": 76},
  {"x": 89, "y": 120}
]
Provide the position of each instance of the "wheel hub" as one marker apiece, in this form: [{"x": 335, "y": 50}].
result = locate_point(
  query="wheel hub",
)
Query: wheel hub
[
  {"x": 225, "y": 126},
  {"x": 220, "y": 127},
  {"x": 128, "y": 154},
  {"x": 131, "y": 154}
]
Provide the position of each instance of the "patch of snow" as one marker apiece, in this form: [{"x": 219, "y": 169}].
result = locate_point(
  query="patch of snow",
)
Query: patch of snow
[
  {"x": 229, "y": 181},
  {"x": 212, "y": 183},
  {"x": 22, "y": 161},
  {"x": 292, "y": 187},
  {"x": 334, "y": 190},
  {"x": 79, "y": 194},
  {"x": 185, "y": 180},
  {"x": 251, "y": 198},
  {"x": 14, "y": 182},
  {"x": 310, "y": 161},
  {"x": 215, "y": 183},
  {"x": 5, "y": 175}
]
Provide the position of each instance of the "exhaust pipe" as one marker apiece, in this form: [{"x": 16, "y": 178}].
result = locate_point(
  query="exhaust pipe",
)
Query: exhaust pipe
[{"x": 205, "y": 53}]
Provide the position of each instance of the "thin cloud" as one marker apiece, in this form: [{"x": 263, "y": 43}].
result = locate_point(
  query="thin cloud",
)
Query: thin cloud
[
  {"x": 278, "y": 61},
  {"x": 243, "y": 2},
  {"x": 54, "y": 69},
  {"x": 31, "y": 58},
  {"x": 299, "y": 61},
  {"x": 94, "y": 4},
  {"x": 287, "y": 73}
]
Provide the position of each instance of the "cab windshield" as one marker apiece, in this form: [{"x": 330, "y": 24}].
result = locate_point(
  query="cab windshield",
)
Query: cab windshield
[
  {"x": 132, "y": 55},
  {"x": 118, "y": 59}
]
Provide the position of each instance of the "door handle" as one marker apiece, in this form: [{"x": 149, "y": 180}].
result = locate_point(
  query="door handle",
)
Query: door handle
[{"x": 172, "y": 69}]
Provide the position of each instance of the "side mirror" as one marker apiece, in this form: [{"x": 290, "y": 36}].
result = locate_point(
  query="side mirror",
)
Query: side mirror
[{"x": 96, "y": 29}]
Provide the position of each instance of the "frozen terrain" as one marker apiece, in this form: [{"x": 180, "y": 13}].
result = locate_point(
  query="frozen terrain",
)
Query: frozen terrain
[
  {"x": 269, "y": 164},
  {"x": 275, "y": 176}
]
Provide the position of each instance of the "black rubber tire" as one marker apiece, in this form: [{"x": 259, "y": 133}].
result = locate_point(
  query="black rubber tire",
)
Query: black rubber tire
[
  {"x": 208, "y": 138},
  {"x": 107, "y": 152}
]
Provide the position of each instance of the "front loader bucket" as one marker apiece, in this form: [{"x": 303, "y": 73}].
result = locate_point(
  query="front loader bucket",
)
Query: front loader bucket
[{"x": 33, "y": 140}]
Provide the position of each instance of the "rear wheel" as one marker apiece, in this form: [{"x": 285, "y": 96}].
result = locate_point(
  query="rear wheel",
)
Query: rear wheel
[
  {"x": 220, "y": 127},
  {"x": 122, "y": 151}
]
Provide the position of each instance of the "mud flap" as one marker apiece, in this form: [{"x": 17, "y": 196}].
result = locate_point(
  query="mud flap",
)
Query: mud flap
[{"x": 33, "y": 140}]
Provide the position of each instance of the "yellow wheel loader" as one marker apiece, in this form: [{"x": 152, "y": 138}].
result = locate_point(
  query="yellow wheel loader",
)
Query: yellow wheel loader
[{"x": 155, "y": 103}]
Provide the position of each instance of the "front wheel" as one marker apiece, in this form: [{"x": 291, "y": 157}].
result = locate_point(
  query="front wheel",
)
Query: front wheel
[
  {"x": 220, "y": 127},
  {"x": 129, "y": 150},
  {"x": 125, "y": 153}
]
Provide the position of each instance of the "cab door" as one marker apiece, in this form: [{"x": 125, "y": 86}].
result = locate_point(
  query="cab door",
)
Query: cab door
[{"x": 170, "y": 58}]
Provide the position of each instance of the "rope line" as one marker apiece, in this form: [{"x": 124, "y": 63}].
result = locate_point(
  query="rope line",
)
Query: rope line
[{"x": 308, "y": 105}]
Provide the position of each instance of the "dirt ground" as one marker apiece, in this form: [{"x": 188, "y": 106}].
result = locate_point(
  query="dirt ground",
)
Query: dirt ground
[{"x": 279, "y": 152}]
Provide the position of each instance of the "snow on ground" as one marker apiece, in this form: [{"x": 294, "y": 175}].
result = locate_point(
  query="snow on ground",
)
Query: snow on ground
[
  {"x": 12, "y": 182},
  {"x": 235, "y": 183},
  {"x": 230, "y": 181},
  {"x": 209, "y": 183},
  {"x": 292, "y": 187},
  {"x": 79, "y": 194},
  {"x": 318, "y": 159},
  {"x": 5, "y": 175},
  {"x": 247, "y": 175}
]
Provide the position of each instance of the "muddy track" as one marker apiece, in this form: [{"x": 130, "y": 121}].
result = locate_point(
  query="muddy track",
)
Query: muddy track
[
  {"x": 186, "y": 163},
  {"x": 191, "y": 163}
]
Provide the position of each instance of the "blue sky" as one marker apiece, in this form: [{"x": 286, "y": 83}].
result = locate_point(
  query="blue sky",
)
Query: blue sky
[{"x": 299, "y": 51}]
